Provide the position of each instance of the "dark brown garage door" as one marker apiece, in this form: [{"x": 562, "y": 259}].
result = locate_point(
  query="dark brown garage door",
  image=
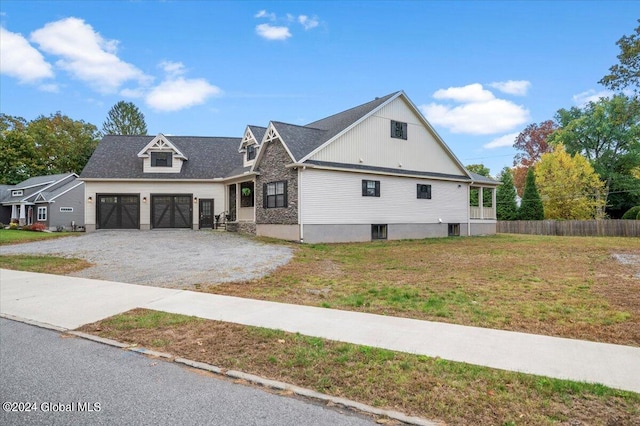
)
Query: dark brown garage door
[
  {"x": 171, "y": 211},
  {"x": 118, "y": 211}
]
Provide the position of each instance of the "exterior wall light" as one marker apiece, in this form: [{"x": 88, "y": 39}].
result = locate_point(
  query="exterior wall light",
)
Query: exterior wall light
[
  {"x": 195, "y": 200},
  {"x": 90, "y": 199},
  {"x": 144, "y": 199}
]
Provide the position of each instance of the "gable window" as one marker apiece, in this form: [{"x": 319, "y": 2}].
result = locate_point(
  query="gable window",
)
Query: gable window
[
  {"x": 161, "y": 159},
  {"x": 398, "y": 130},
  {"x": 378, "y": 232},
  {"x": 424, "y": 191},
  {"x": 17, "y": 193},
  {"x": 370, "y": 188},
  {"x": 275, "y": 194},
  {"x": 251, "y": 152},
  {"x": 42, "y": 214}
]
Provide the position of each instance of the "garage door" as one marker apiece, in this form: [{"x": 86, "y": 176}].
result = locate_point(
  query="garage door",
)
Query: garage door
[
  {"x": 171, "y": 211},
  {"x": 118, "y": 211}
]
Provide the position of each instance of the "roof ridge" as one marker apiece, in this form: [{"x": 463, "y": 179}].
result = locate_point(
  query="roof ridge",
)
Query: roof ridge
[{"x": 376, "y": 99}]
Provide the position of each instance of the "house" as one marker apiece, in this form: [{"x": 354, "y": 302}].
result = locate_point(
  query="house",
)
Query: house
[
  {"x": 375, "y": 171},
  {"x": 57, "y": 201}
]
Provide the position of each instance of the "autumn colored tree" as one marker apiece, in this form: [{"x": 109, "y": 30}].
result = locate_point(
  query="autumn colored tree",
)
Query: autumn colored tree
[
  {"x": 531, "y": 207},
  {"x": 607, "y": 133},
  {"x": 626, "y": 74},
  {"x": 532, "y": 142},
  {"x": 18, "y": 159},
  {"x": 507, "y": 206},
  {"x": 569, "y": 187}
]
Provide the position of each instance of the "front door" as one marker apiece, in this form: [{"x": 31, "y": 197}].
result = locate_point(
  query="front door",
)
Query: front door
[{"x": 206, "y": 213}]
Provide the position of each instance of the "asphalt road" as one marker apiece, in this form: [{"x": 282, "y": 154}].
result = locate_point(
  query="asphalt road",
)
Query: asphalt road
[{"x": 103, "y": 385}]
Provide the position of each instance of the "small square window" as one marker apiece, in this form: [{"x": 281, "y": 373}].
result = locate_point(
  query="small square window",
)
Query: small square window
[
  {"x": 370, "y": 188},
  {"x": 454, "y": 229},
  {"x": 424, "y": 191},
  {"x": 378, "y": 232},
  {"x": 161, "y": 159},
  {"x": 398, "y": 130}
]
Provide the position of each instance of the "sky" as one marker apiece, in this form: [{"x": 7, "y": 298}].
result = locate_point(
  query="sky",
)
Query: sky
[{"x": 479, "y": 71}]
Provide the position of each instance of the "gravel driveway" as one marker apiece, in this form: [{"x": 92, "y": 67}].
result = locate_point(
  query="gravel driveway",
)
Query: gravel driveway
[{"x": 164, "y": 258}]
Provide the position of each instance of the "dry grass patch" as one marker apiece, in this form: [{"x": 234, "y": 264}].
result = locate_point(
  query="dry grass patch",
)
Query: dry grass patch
[
  {"x": 432, "y": 388},
  {"x": 560, "y": 286},
  {"x": 43, "y": 264}
]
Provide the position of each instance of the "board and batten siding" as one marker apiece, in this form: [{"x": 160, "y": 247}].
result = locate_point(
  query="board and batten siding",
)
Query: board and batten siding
[
  {"x": 145, "y": 189},
  {"x": 176, "y": 165},
  {"x": 334, "y": 197},
  {"x": 371, "y": 142}
]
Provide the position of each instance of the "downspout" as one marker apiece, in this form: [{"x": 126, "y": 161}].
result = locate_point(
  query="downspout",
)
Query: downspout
[{"x": 300, "y": 203}]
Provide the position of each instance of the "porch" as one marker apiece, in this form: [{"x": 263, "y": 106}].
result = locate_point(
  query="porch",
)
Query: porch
[{"x": 482, "y": 203}]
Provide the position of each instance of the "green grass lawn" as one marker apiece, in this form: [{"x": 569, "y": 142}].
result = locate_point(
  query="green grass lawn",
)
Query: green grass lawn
[{"x": 16, "y": 236}]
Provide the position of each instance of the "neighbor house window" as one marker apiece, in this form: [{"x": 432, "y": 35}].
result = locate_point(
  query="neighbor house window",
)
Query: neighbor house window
[
  {"x": 17, "y": 193},
  {"x": 378, "y": 232},
  {"x": 424, "y": 191},
  {"x": 66, "y": 209},
  {"x": 275, "y": 194},
  {"x": 370, "y": 188},
  {"x": 161, "y": 159},
  {"x": 251, "y": 152},
  {"x": 454, "y": 229},
  {"x": 42, "y": 214},
  {"x": 398, "y": 130}
]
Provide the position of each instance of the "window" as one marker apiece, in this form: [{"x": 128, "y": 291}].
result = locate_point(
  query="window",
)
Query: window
[
  {"x": 424, "y": 191},
  {"x": 454, "y": 229},
  {"x": 161, "y": 159},
  {"x": 370, "y": 188},
  {"x": 378, "y": 232},
  {"x": 275, "y": 194},
  {"x": 251, "y": 152},
  {"x": 398, "y": 130},
  {"x": 42, "y": 214},
  {"x": 246, "y": 194},
  {"x": 17, "y": 193},
  {"x": 66, "y": 209}
]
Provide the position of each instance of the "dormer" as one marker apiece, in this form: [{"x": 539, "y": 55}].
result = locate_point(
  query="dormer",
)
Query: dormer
[
  {"x": 250, "y": 144},
  {"x": 161, "y": 156}
]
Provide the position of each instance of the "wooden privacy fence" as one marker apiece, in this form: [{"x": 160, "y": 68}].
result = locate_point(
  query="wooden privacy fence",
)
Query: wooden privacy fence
[{"x": 578, "y": 228}]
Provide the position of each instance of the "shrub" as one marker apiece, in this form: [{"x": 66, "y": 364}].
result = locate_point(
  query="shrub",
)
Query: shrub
[
  {"x": 13, "y": 225},
  {"x": 632, "y": 213},
  {"x": 37, "y": 227}
]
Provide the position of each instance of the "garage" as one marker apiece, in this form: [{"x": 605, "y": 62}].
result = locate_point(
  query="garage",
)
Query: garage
[
  {"x": 118, "y": 211},
  {"x": 171, "y": 211}
]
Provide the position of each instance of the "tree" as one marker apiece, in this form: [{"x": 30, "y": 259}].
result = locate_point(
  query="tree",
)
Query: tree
[
  {"x": 569, "y": 187},
  {"x": 507, "y": 206},
  {"x": 626, "y": 74},
  {"x": 124, "y": 118},
  {"x": 61, "y": 144},
  {"x": 533, "y": 142},
  {"x": 482, "y": 170},
  {"x": 531, "y": 207},
  {"x": 607, "y": 133},
  {"x": 18, "y": 159}
]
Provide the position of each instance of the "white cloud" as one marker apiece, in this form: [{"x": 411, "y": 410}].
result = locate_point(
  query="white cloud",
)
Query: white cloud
[
  {"x": 480, "y": 112},
  {"x": 512, "y": 87},
  {"x": 591, "y": 95},
  {"x": 21, "y": 60},
  {"x": 308, "y": 23},
  {"x": 179, "y": 93},
  {"x": 86, "y": 55},
  {"x": 271, "y": 32},
  {"x": 173, "y": 68},
  {"x": 264, "y": 14},
  {"x": 502, "y": 141}
]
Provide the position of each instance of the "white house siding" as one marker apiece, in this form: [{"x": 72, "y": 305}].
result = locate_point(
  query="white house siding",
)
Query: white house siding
[
  {"x": 370, "y": 143},
  {"x": 334, "y": 200},
  {"x": 176, "y": 165},
  {"x": 145, "y": 189}
]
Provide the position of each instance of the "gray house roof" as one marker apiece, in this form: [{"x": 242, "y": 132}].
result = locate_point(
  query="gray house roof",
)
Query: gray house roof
[
  {"x": 32, "y": 187},
  {"x": 48, "y": 196},
  {"x": 258, "y": 132},
  {"x": 483, "y": 179},
  {"x": 116, "y": 157}
]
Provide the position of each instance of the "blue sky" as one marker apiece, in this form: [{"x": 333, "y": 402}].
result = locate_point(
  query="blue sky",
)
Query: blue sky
[{"x": 480, "y": 71}]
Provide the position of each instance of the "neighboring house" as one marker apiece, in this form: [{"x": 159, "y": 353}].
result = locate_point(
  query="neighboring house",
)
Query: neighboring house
[
  {"x": 376, "y": 171},
  {"x": 55, "y": 201}
]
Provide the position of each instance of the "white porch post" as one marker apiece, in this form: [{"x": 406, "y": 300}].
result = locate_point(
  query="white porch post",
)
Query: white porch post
[
  {"x": 23, "y": 216},
  {"x": 14, "y": 212},
  {"x": 494, "y": 203},
  {"x": 481, "y": 202}
]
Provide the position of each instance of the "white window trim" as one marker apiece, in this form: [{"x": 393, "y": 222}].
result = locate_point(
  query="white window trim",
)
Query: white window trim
[
  {"x": 42, "y": 214},
  {"x": 66, "y": 209}
]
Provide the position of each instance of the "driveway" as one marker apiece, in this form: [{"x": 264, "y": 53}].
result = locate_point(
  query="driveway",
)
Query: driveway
[{"x": 164, "y": 258}]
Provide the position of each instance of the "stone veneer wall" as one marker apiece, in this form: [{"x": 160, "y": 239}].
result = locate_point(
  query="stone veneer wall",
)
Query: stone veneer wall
[
  {"x": 272, "y": 169},
  {"x": 246, "y": 228}
]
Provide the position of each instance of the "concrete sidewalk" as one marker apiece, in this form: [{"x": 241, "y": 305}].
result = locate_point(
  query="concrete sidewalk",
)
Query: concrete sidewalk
[{"x": 67, "y": 303}]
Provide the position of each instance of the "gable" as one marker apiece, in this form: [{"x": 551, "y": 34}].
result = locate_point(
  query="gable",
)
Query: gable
[
  {"x": 161, "y": 156},
  {"x": 369, "y": 143}
]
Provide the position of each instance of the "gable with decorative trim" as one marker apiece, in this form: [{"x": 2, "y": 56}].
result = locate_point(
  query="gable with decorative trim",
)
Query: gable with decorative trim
[{"x": 161, "y": 156}]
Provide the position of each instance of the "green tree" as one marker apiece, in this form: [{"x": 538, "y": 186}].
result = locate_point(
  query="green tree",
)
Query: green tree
[
  {"x": 507, "y": 206},
  {"x": 18, "y": 159},
  {"x": 607, "y": 133},
  {"x": 531, "y": 207},
  {"x": 482, "y": 170},
  {"x": 569, "y": 187},
  {"x": 626, "y": 74},
  {"x": 124, "y": 118},
  {"x": 61, "y": 144}
]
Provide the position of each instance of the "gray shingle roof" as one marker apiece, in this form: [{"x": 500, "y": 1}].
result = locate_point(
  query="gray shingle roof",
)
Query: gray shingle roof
[
  {"x": 483, "y": 179},
  {"x": 387, "y": 170},
  {"x": 300, "y": 140},
  {"x": 258, "y": 132},
  {"x": 35, "y": 185},
  {"x": 116, "y": 157},
  {"x": 40, "y": 180},
  {"x": 50, "y": 195}
]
